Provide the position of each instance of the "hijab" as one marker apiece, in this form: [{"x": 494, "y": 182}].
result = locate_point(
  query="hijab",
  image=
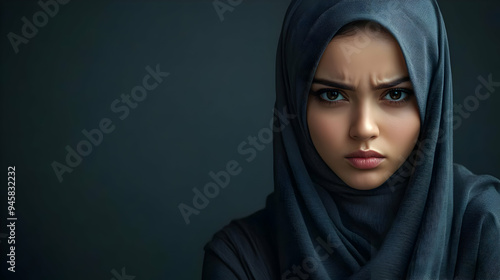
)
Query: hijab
[
  {"x": 410, "y": 226},
  {"x": 431, "y": 219}
]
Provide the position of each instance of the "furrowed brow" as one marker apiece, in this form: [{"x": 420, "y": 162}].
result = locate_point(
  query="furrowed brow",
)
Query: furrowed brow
[
  {"x": 348, "y": 87},
  {"x": 392, "y": 83},
  {"x": 333, "y": 84}
]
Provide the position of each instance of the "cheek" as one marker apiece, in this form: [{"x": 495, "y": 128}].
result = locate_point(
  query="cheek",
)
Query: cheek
[
  {"x": 327, "y": 130},
  {"x": 402, "y": 132}
]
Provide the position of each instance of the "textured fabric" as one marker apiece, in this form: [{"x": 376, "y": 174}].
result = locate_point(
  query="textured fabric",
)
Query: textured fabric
[{"x": 431, "y": 219}]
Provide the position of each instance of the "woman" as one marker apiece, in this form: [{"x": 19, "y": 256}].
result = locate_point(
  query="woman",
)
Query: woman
[{"x": 365, "y": 185}]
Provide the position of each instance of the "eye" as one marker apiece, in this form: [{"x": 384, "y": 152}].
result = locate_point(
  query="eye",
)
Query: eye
[
  {"x": 329, "y": 95},
  {"x": 397, "y": 95}
]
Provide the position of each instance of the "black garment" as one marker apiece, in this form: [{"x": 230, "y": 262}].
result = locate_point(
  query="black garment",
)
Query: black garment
[{"x": 247, "y": 248}]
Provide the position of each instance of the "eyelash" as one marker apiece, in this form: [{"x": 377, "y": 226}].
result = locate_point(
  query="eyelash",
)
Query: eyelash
[{"x": 317, "y": 94}]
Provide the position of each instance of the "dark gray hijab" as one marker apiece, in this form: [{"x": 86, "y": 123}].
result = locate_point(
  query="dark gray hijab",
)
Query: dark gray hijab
[{"x": 432, "y": 219}]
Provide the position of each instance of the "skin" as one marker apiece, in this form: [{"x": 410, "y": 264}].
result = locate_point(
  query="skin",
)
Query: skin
[{"x": 363, "y": 117}]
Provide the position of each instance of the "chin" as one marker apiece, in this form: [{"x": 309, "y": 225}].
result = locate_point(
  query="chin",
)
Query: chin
[{"x": 367, "y": 181}]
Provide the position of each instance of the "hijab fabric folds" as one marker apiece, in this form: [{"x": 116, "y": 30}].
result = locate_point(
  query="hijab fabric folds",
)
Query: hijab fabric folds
[{"x": 431, "y": 219}]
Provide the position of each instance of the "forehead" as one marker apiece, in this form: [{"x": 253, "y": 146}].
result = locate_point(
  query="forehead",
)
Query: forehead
[{"x": 353, "y": 56}]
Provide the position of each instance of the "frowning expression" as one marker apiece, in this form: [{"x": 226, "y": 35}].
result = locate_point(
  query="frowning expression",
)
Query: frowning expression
[{"x": 362, "y": 113}]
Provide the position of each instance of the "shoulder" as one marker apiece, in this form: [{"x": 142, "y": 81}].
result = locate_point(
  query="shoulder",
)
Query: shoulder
[
  {"x": 475, "y": 187},
  {"x": 249, "y": 231},
  {"x": 478, "y": 209},
  {"x": 481, "y": 194},
  {"x": 244, "y": 247},
  {"x": 464, "y": 176}
]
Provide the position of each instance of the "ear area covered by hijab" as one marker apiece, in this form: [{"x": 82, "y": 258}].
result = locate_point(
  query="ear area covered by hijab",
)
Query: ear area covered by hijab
[{"x": 432, "y": 219}]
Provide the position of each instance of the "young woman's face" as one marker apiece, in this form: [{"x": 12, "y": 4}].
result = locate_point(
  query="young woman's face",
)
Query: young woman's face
[{"x": 362, "y": 99}]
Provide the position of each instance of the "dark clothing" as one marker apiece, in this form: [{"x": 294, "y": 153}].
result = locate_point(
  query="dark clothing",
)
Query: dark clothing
[{"x": 246, "y": 248}]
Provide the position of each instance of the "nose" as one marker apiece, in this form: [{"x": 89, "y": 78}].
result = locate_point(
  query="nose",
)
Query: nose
[{"x": 364, "y": 123}]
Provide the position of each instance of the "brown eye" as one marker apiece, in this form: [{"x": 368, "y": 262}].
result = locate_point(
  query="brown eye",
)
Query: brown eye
[
  {"x": 397, "y": 95},
  {"x": 330, "y": 95}
]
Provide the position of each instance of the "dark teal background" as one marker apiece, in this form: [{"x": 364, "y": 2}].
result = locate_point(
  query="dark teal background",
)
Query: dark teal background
[{"x": 119, "y": 207}]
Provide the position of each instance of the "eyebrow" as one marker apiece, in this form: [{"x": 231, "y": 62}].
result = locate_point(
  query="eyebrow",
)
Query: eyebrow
[{"x": 348, "y": 87}]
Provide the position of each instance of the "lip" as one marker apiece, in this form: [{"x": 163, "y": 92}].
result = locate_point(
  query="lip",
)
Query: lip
[{"x": 365, "y": 159}]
